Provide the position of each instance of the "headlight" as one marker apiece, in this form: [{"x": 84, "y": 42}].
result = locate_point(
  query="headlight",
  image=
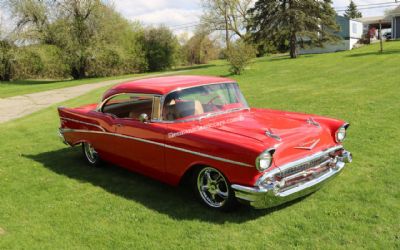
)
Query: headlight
[
  {"x": 264, "y": 160},
  {"x": 341, "y": 133}
]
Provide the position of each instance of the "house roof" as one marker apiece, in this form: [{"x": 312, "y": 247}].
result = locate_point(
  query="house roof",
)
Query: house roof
[
  {"x": 394, "y": 12},
  {"x": 163, "y": 85},
  {"x": 373, "y": 19}
]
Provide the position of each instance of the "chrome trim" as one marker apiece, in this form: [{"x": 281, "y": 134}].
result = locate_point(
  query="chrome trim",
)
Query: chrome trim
[
  {"x": 345, "y": 126},
  {"x": 292, "y": 164},
  {"x": 270, "y": 196},
  {"x": 102, "y": 103},
  {"x": 271, "y": 134},
  {"x": 271, "y": 152},
  {"x": 86, "y": 123},
  {"x": 310, "y": 147},
  {"x": 201, "y": 117},
  {"x": 61, "y": 136},
  {"x": 161, "y": 145},
  {"x": 311, "y": 121}
]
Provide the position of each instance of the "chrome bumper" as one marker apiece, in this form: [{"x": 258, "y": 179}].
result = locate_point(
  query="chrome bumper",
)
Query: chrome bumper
[
  {"x": 62, "y": 138},
  {"x": 265, "y": 196}
]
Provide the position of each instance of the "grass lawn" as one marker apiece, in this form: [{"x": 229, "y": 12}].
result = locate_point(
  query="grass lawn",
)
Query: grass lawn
[
  {"x": 50, "y": 199},
  {"x": 22, "y": 87}
]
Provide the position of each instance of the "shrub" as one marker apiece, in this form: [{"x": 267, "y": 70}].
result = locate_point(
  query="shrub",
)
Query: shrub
[
  {"x": 104, "y": 62},
  {"x": 27, "y": 64},
  {"x": 54, "y": 63},
  {"x": 5, "y": 61},
  {"x": 161, "y": 47},
  {"x": 239, "y": 56}
]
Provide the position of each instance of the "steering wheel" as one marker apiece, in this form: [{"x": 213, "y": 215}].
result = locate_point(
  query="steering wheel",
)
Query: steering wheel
[
  {"x": 213, "y": 99},
  {"x": 211, "y": 102}
]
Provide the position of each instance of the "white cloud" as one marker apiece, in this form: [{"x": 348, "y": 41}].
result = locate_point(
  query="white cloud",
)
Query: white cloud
[
  {"x": 186, "y": 12},
  {"x": 170, "y": 17},
  {"x": 180, "y": 15}
]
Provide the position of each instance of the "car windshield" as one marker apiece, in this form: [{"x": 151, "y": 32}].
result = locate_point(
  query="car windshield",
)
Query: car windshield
[{"x": 202, "y": 101}]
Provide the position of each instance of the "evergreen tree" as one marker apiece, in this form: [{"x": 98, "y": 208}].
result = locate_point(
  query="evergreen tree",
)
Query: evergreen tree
[
  {"x": 300, "y": 22},
  {"x": 352, "y": 11}
]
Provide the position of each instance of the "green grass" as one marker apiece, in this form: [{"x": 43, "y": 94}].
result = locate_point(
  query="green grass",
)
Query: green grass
[
  {"x": 22, "y": 87},
  {"x": 50, "y": 199}
]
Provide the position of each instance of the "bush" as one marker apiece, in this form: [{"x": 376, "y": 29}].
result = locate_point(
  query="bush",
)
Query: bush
[
  {"x": 54, "y": 63},
  {"x": 27, "y": 64},
  {"x": 239, "y": 56},
  {"x": 104, "y": 62},
  {"x": 161, "y": 47},
  {"x": 6, "y": 58},
  {"x": 200, "y": 49}
]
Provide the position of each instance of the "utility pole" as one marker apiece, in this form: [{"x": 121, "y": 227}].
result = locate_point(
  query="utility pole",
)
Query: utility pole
[
  {"x": 380, "y": 35},
  {"x": 226, "y": 24}
]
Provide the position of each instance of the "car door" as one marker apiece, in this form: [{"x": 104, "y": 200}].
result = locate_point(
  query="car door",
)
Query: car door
[{"x": 137, "y": 144}]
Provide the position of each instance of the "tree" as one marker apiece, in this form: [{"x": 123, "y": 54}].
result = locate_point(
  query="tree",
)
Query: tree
[
  {"x": 6, "y": 59},
  {"x": 161, "y": 47},
  {"x": 230, "y": 16},
  {"x": 81, "y": 16},
  {"x": 200, "y": 48},
  {"x": 300, "y": 22},
  {"x": 239, "y": 56},
  {"x": 352, "y": 11}
]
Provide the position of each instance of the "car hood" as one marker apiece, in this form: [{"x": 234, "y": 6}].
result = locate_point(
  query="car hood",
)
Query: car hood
[{"x": 293, "y": 135}]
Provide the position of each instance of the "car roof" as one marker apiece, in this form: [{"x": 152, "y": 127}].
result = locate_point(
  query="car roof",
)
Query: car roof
[{"x": 163, "y": 85}]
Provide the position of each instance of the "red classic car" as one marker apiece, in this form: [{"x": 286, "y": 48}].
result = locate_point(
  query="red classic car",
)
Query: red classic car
[{"x": 201, "y": 128}]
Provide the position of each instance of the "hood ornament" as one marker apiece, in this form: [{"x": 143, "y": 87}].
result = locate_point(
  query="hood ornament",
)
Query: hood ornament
[
  {"x": 271, "y": 134},
  {"x": 308, "y": 145},
  {"x": 311, "y": 121}
]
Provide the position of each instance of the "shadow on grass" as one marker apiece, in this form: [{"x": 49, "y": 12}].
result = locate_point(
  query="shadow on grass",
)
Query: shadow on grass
[
  {"x": 201, "y": 66},
  {"x": 176, "y": 202},
  {"x": 376, "y": 53}
]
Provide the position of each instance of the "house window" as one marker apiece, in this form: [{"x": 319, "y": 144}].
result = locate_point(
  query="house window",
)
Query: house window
[{"x": 354, "y": 28}]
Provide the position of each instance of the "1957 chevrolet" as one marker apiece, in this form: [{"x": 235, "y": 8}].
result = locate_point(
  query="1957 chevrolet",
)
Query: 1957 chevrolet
[{"x": 202, "y": 129}]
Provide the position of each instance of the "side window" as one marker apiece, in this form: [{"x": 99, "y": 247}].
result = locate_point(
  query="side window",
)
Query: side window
[
  {"x": 129, "y": 106},
  {"x": 354, "y": 28}
]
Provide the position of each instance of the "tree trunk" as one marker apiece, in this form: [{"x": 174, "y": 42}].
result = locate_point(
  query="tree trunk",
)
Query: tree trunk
[
  {"x": 293, "y": 45},
  {"x": 226, "y": 25},
  {"x": 78, "y": 72}
]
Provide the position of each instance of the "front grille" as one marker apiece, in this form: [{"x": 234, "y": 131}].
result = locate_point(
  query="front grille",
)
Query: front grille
[
  {"x": 304, "y": 172},
  {"x": 304, "y": 166}
]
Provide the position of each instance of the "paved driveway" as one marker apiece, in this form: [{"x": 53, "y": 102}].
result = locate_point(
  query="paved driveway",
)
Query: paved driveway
[{"x": 19, "y": 106}]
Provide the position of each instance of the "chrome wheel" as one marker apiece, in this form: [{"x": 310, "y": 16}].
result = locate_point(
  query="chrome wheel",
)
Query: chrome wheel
[
  {"x": 90, "y": 153},
  {"x": 213, "y": 187}
]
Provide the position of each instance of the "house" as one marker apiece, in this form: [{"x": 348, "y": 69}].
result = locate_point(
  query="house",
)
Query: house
[
  {"x": 372, "y": 25},
  {"x": 351, "y": 32},
  {"x": 394, "y": 16}
]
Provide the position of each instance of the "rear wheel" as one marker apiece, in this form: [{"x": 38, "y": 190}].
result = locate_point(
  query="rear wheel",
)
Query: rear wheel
[
  {"x": 91, "y": 155},
  {"x": 213, "y": 189}
]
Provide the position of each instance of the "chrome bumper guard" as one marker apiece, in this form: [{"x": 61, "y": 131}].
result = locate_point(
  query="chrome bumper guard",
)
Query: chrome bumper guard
[
  {"x": 274, "y": 188},
  {"x": 61, "y": 136}
]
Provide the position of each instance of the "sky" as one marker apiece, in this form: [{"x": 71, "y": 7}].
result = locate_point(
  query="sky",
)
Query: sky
[
  {"x": 182, "y": 15},
  {"x": 178, "y": 14}
]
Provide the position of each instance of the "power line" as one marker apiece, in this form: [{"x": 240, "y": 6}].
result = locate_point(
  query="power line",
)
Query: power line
[
  {"x": 370, "y": 7},
  {"x": 341, "y": 9},
  {"x": 369, "y": 4}
]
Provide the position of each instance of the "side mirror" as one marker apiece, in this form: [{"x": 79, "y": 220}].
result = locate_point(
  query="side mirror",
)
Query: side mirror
[{"x": 144, "y": 118}]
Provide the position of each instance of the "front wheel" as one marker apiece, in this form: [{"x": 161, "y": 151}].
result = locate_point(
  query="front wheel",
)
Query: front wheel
[
  {"x": 213, "y": 189},
  {"x": 91, "y": 155}
]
